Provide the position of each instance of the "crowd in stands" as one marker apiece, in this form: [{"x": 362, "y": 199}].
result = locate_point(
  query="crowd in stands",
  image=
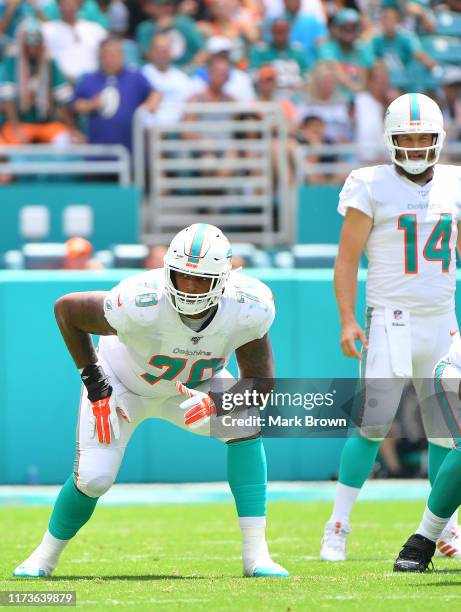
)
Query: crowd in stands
[{"x": 75, "y": 71}]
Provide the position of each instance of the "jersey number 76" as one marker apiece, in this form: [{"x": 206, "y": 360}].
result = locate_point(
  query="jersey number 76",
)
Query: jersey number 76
[{"x": 437, "y": 247}]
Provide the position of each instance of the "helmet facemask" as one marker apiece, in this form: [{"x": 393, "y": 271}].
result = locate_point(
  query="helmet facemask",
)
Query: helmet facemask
[
  {"x": 400, "y": 155},
  {"x": 193, "y": 303}
]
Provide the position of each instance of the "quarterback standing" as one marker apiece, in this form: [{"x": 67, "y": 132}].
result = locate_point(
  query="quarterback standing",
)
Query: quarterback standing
[
  {"x": 406, "y": 217},
  {"x": 164, "y": 333}
]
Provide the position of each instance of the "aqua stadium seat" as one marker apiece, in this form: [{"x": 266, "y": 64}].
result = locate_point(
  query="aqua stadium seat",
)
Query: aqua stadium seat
[
  {"x": 44, "y": 256},
  {"x": 129, "y": 255},
  {"x": 421, "y": 78},
  {"x": 447, "y": 23},
  {"x": 443, "y": 49}
]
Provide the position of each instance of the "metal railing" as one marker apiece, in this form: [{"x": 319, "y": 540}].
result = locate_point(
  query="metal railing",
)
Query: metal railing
[
  {"x": 218, "y": 169},
  {"x": 348, "y": 159},
  {"x": 83, "y": 160}
]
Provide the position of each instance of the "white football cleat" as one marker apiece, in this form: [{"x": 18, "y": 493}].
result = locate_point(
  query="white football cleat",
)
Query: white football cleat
[
  {"x": 449, "y": 544},
  {"x": 32, "y": 568},
  {"x": 334, "y": 541},
  {"x": 266, "y": 568}
]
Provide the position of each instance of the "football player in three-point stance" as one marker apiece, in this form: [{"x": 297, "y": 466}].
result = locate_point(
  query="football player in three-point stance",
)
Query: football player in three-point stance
[
  {"x": 406, "y": 216},
  {"x": 160, "y": 329}
]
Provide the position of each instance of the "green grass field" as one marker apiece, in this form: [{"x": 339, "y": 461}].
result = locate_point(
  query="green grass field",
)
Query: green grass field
[{"x": 140, "y": 557}]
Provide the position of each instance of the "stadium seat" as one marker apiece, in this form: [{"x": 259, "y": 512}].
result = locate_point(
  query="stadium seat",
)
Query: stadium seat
[
  {"x": 314, "y": 255},
  {"x": 443, "y": 49},
  {"x": 253, "y": 257},
  {"x": 46, "y": 256},
  {"x": 447, "y": 23},
  {"x": 13, "y": 260},
  {"x": 129, "y": 255}
]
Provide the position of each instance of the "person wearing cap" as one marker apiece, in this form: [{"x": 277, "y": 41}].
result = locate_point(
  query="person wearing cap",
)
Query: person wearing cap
[
  {"x": 35, "y": 94},
  {"x": 350, "y": 56},
  {"x": 398, "y": 47},
  {"x": 78, "y": 255},
  {"x": 266, "y": 88},
  {"x": 288, "y": 59},
  {"x": 187, "y": 42},
  {"x": 238, "y": 85}
]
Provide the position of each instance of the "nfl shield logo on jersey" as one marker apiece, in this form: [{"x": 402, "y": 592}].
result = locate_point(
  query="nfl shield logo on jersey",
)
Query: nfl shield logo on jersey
[
  {"x": 195, "y": 339},
  {"x": 397, "y": 315}
]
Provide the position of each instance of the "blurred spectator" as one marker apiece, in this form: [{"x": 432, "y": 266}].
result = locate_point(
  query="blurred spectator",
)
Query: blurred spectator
[
  {"x": 307, "y": 30},
  {"x": 73, "y": 42},
  {"x": 453, "y": 5},
  {"x": 238, "y": 85},
  {"x": 90, "y": 10},
  {"x": 369, "y": 109},
  {"x": 396, "y": 46},
  {"x": 350, "y": 57},
  {"x": 323, "y": 99},
  {"x": 229, "y": 19},
  {"x": 218, "y": 74},
  {"x": 12, "y": 12},
  {"x": 275, "y": 8},
  {"x": 155, "y": 257},
  {"x": 266, "y": 87},
  {"x": 450, "y": 102},
  {"x": 288, "y": 59},
  {"x": 312, "y": 132},
  {"x": 78, "y": 255},
  {"x": 417, "y": 14},
  {"x": 35, "y": 93},
  {"x": 186, "y": 40},
  {"x": 172, "y": 83},
  {"x": 118, "y": 17},
  {"x": 111, "y": 95}
]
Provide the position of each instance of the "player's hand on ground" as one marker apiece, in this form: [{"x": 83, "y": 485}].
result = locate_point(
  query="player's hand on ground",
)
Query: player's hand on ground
[
  {"x": 350, "y": 333},
  {"x": 199, "y": 406},
  {"x": 104, "y": 419}
]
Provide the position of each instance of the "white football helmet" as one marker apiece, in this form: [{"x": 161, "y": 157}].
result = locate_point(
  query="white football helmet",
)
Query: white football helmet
[
  {"x": 198, "y": 250},
  {"x": 409, "y": 114}
]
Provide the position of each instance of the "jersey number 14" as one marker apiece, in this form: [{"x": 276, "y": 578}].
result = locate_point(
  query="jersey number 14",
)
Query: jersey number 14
[{"x": 437, "y": 247}]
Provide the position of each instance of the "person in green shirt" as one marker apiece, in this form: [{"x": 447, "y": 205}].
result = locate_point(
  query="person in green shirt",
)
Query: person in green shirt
[
  {"x": 35, "y": 94},
  {"x": 397, "y": 46},
  {"x": 350, "y": 56},
  {"x": 186, "y": 40},
  {"x": 288, "y": 59}
]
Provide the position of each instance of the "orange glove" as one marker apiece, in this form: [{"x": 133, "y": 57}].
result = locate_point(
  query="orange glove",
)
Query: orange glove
[
  {"x": 104, "y": 419},
  {"x": 199, "y": 407}
]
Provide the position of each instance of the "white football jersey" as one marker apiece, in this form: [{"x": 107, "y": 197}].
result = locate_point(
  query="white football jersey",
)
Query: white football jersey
[
  {"x": 411, "y": 248},
  {"x": 153, "y": 348}
]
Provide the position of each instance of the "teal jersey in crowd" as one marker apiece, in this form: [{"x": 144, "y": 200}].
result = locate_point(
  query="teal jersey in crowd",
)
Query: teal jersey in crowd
[
  {"x": 41, "y": 111},
  {"x": 186, "y": 39},
  {"x": 355, "y": 62},
  {"x": 399, "y": 49}
]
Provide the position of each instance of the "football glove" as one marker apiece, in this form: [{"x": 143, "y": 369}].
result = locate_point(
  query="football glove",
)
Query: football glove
[
  {"x": 199, "y": 406},
  {"x": 104, "y": 409}
]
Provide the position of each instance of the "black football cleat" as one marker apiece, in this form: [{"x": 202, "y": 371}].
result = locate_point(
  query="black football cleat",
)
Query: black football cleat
[{"x": 416, "y": 554}]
